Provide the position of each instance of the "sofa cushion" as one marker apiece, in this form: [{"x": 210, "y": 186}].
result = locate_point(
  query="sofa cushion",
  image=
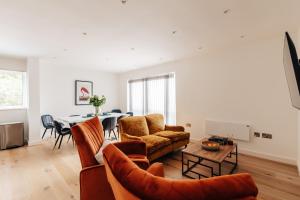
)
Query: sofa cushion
[
  {"x": 173, "y": 136},
  {"x": 136, "y": 126},
  {"x": 155, "y": 123},
  {"x": 154, "y": 142}
]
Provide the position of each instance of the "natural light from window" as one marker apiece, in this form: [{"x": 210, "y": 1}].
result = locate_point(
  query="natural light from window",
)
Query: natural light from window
[
  {"x": 153, "y": 95},
  {"x": 12, "y": 89}
]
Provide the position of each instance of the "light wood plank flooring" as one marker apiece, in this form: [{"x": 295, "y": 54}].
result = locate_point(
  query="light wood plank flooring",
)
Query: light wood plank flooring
[{"x": 38, "y": 172}]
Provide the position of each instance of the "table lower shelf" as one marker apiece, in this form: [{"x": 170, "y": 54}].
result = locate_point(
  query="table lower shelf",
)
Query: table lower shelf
[{"x": 191, "y": 164}]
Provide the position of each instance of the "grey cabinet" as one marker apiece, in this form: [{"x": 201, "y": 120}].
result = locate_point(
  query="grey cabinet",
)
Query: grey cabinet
[{"x": 11, "y": 135}]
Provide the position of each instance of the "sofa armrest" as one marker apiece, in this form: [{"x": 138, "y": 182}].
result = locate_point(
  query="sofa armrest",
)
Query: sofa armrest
[
  {"x": 126, "y": 137},
  {"x": 236, "y": 186},
  {"x": 156, "y": 169},
  {"x": 132, "y": 147},
  {"x": 174, "y": 128},
  {"x": 94, "y": 184}
]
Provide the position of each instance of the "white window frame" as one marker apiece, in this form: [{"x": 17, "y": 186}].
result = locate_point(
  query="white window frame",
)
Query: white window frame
[{"x": 24, "y": 95}]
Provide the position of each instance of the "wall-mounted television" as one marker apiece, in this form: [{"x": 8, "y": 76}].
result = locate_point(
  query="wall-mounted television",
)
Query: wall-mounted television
[{"x": 292, "y": 70}]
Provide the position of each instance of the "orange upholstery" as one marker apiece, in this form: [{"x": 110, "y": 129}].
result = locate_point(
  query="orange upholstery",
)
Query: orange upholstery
[
  {"x": 129, "y": 182},
  {"x": 156, "y": 169},
  {"x": 136, "y": 151},
  {"x": 89, "y": 138},
  {"x": 159, "y": 138}
]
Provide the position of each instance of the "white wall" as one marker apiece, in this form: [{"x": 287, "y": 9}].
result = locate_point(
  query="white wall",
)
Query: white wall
[
  {"x": 33, "y": 82},
  {"x": 239, "y": 84},
  {"x": 58, "y": 89},
  {"x": 14, "y": 115}
]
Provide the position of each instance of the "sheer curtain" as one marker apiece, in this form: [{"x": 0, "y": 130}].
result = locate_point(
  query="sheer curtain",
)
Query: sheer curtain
[{"x": 153, "y": 95}]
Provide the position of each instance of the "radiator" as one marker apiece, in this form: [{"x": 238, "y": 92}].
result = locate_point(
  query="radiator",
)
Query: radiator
[
  {"x": 11, "y": 135},
  {"x": 236, "y": 131}
]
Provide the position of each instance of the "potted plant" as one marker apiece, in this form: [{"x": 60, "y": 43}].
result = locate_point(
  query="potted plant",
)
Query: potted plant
[{"x": 97, "y": 102}]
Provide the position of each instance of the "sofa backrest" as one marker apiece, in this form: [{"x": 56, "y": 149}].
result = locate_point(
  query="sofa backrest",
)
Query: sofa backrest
[
  {"x": 135, "y": 125},
  {"x": 89, "y": 138},
  {"x": 155, "y": 123},
  {"x": 129, "y": 182}
]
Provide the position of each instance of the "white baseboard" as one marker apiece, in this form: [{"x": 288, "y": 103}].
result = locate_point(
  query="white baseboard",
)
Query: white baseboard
[
  {"x": 267, "y": 156},
  {"x": 34, "y": 142}
]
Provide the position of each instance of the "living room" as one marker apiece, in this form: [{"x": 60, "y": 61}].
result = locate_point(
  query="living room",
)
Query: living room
[{"x": 198, "y": 63}]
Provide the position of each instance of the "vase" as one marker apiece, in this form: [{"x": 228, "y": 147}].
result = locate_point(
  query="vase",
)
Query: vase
[{"x": 96, "y": 110}]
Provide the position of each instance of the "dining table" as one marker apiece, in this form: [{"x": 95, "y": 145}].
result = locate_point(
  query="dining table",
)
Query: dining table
[{"x": 71, "y": 120}]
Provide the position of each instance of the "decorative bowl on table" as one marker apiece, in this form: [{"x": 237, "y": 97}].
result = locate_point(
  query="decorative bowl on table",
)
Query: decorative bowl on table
[{"x": 210, "y": 146}]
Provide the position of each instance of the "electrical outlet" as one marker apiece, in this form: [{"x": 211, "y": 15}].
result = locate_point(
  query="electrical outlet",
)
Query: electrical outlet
[
  {"x": 266, "y": 135},
  {"x": 189, "y": 125},
  {"x": 257, "y": 134}
]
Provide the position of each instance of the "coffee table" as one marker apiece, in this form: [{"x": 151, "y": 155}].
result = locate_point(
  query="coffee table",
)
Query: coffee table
[{"x": 195, "y": 151}]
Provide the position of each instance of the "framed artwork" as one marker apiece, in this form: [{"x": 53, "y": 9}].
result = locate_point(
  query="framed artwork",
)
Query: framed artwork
[{"x": 83, "y": 92}]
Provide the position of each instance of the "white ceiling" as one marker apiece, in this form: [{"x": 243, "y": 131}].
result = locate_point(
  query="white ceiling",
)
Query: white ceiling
[{"x": 138, "y": 34}]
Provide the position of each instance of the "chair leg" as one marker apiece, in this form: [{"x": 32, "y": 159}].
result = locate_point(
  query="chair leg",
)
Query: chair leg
[
  {"x": 44, "y": 133},
  {"x": 73, "y": 141},
  {"x": 51, "y": 131},
  {"x": 56, "y": 141},
  {"x": 60, "y": 141},
  {"x": 118, "y": 131},
  {"x": 55, "y": 133},
  {"x": 109, "y": 133},
  {"x": 114, "y": 134},
  {"x": 69, "y": 138}
]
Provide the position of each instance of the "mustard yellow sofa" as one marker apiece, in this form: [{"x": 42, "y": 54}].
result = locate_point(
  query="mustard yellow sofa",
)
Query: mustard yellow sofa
[{"x": 160, "y": 139}]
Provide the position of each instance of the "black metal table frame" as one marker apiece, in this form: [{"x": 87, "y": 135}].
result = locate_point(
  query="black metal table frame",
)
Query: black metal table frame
[{"x": 200, "y": 159}]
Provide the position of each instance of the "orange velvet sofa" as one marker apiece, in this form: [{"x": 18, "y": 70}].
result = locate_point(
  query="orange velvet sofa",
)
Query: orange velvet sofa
[
  {"x": 160, "y": 139},
  {"x": 129, "y": 182},
  {"x": 89, "y": 138}
]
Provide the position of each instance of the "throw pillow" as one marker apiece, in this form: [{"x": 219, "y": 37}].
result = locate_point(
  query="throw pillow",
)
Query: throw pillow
[{"x": 99, "y": 155}]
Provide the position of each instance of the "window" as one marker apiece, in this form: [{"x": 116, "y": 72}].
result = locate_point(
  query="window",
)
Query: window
[
  {"x": 153, "y": 95},
  {"x": 12, "y": 89}
]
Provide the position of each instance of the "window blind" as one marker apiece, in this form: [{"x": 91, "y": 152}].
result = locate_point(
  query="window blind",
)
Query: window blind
[{"x": 153, "y": 95}]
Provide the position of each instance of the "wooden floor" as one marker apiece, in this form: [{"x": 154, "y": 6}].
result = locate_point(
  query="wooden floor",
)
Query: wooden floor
[{"x": 38, "y": 172}]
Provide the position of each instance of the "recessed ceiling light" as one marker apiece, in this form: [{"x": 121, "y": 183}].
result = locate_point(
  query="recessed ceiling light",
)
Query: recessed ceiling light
[
  {"x": 124, "y": 1},
  {"x": 174, "y": 32},
  {"x": 227, "y": 11},
  {"x": 200, "y": 48},
  {"x": 84, "y": 33},
  {"x": 242, "y": 36},
  {"x": 132, "y": 49}
]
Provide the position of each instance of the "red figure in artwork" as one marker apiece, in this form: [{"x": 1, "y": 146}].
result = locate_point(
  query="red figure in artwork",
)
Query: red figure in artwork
[{"x": 85, "y": 94}]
